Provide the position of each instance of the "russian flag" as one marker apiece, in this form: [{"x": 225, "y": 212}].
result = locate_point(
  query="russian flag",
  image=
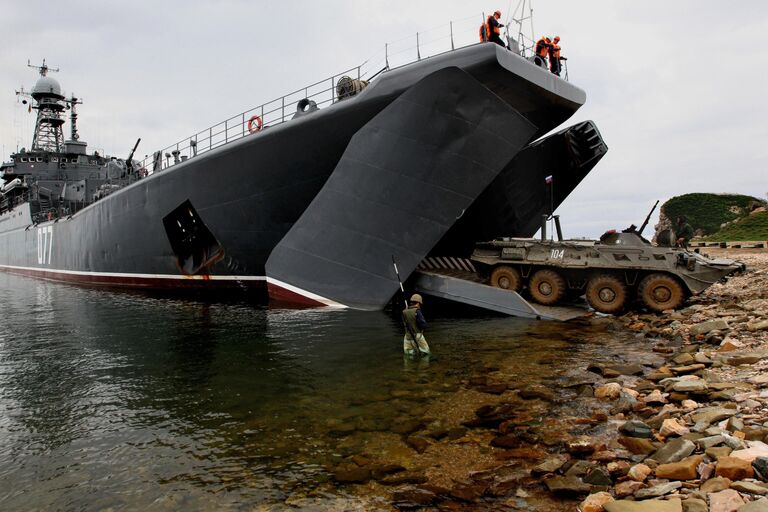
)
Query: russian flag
[{"x": 548, "y": 180}]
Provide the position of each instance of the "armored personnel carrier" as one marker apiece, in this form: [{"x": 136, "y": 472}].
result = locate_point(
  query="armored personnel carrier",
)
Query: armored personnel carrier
[{"x": 613, "y": 272}]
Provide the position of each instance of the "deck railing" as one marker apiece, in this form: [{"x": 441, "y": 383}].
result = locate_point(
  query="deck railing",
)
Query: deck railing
[{"x": 445, "y": 38}]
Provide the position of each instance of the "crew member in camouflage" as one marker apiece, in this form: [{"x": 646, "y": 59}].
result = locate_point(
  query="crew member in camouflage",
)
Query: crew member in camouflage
[
  {"x": 414, "y": 323},
  {"x": 683, "y": 232}
]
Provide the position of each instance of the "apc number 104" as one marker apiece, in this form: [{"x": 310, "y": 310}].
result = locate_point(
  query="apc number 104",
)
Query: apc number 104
[{"x": 557, "y": 254}]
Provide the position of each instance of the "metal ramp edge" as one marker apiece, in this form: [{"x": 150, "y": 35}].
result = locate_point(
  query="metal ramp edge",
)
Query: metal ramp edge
[{"x": 469, "y": 291}]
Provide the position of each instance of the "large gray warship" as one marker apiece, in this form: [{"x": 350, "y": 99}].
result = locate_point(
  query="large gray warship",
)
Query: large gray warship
[{"x": 310, "y": 200}]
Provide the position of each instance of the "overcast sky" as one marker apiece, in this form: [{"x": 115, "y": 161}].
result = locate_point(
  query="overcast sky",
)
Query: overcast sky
[{"x": 677, "y": 89}]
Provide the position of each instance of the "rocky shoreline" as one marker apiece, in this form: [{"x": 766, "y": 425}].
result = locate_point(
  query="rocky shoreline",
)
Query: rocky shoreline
[{"x": 682, "y": 427}]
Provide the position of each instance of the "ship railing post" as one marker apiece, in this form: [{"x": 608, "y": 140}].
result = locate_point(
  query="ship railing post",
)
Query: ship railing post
[
  {"x": 243, "y": 124},
  {"x": 333, "y": 94},
  {"x": 418, "y": 51},
  {"x": 262, "y": 115},
  {"x": 452, "y": 44},
  {"x": 283, "y": 100},
  {"x": 226, "y": 133},
  {"x": 386, "y": 54},
  {"x": 210, "y": 137}
]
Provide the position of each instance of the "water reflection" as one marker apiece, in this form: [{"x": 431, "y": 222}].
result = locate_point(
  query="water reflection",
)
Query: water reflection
[{"x": 128, "y": 401}]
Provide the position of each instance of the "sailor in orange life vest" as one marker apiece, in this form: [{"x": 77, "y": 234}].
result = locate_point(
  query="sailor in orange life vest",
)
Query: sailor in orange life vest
[
  {"x": 542, "y": 49},
  {"x": 493, "y": 29},
  {"x": 554, "y": 56}
]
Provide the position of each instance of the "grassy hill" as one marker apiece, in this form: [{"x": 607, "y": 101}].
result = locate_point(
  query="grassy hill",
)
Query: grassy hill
[
  {"x": 753, "y": 227},
  {"x": 708, "y": 212}
]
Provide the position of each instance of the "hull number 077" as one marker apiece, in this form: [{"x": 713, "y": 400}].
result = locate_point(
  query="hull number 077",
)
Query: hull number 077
[{"x": 44, "y": 245}]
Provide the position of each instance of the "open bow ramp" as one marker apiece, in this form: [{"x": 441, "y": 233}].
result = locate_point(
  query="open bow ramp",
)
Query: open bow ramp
[
  {"x": 467, "y": 289},
  {"x": 403, "y": 181}
]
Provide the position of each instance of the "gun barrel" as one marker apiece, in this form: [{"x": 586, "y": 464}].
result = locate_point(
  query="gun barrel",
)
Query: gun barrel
[
  {"x": 648, "y": 218},
  {"x": 134, "y": 148}
]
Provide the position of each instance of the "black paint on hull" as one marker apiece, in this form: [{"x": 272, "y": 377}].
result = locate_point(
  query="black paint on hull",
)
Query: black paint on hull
[
  {"x": 402, "y": 182},
  {"x": 250, "y": 192}
]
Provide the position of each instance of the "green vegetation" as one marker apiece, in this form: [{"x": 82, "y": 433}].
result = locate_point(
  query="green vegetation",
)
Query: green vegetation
[
  {"x": 753, "y": 228},
  {"x": 707, "y": 212}
]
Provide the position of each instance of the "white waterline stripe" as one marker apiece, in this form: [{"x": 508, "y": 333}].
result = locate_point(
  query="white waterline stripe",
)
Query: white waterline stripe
[
  {"x": 305, "y": 293},
  {"x": 139, "y": 276}
]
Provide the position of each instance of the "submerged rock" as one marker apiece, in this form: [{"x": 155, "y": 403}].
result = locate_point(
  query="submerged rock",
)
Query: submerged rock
[
  {"x": 567, "y": 485},
  {"x": 550, "y": 465},
  {"x": 412, "y": 497},
  {"x": 352, "y": 474}
]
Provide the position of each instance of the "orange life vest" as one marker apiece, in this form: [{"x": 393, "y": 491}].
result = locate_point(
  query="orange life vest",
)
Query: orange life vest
[
  {"x": 542, "y": 48},
  {"x": 554, "y": 51},
  {"x": 483, "y": 33}
]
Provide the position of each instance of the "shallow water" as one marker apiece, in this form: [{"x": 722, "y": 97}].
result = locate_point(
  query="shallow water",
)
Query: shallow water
[{"x": 124, "y": 401}]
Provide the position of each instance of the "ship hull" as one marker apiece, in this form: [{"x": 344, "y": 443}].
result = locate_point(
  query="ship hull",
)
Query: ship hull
[{"x": 246, "y": 195}]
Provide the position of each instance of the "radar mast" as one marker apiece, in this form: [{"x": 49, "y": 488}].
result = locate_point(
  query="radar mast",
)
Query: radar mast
[{"x": 49, "y": 103}]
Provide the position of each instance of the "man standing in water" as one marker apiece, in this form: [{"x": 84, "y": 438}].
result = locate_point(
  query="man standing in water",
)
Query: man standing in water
[{"x": 415, "y": 324}]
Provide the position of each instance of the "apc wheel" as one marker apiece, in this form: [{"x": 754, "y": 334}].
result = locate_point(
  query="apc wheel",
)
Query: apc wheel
[
  {"x": 660, "y": 292},
  {"x": 507, "y": 278},
  {"x": 547, "y": 287},
  {"x": 607, "y": 293}
]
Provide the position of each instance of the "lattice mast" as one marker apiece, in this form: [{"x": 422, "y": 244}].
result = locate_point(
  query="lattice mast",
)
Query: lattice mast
[{"x": 50, "y": 104}]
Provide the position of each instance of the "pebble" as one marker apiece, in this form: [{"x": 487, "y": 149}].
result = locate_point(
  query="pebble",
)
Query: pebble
[
  {"x": 754, "y": 450},
  {"x": 683, "y": 470},
  {"x": 672, "y": 426},
  {"x": 674, "y": 451},
  {"x": 749, "y": 488},
  {"x": 760, "y": 505},
  {"x": 610, "y": 391},
  {"x": 734, "y": 468},
  {"x": 695, "y": 505},
  {"x": 639, "y": 472},
  {"x": 627, "y": 488},
  {"x": 673, "y": 505},
  {"x": 636, "y": 429},
  {"x": 595, "y": 502},
  {"x": 715, "y": 484},
  {"x": 727, "y": 500},
  {"x": 760, "y": 465},
  {"x": 657, "y": 490}
]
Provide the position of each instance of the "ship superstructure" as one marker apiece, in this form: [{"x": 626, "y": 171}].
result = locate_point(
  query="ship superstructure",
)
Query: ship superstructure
[{"x": 55, "y": 178}]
